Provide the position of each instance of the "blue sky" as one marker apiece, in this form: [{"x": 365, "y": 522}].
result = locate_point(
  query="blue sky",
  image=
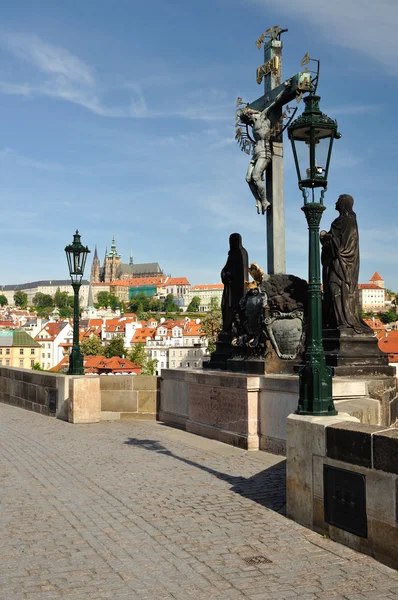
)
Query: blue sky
[{"x": 118, "y": 117}]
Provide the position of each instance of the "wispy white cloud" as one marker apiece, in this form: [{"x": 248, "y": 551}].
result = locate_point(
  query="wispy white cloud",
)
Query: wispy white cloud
[
  {"x": 67, "y": 77},
  {"x": 365, "y": 26},
  {"x": 50, "y": 59}
]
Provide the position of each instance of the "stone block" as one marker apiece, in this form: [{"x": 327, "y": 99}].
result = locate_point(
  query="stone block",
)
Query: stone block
[
  {"x": 119, "y": 400},
  {"x": 85, "y": 399},
  {"x": 351, "y": 540},
  {"x": 280, "y": 383},
  {"x": 349, "y": 388},
  {"x": 380, "y": 496},
  {"x": 305, "y": 438},
  {"x": 110, "y": 416},
  {"x": 271, "y": 444},
  {"x": 385, "y": 542},
  {"x": 63, "y": 397},
  {"x": 385, "y": 451},
  {"x": 367, "y": 410},
  {"x": 137, "y": 416},
  {"x": 124, "y": 382},
  {"x": 233, "y": 410},
  {"x": 148, "y": 401},
  {"x": 394, "y": 411},
  {"x": 317, "y": 475},
  {"x": 351, "y": 442},
  {"x": 146, "y": 382},
  {"x": 41, "y": 395},
  {"x": 277, "y": 401},
  {"x": 174, "y": 397},
  {"x": 319, "y": 524}
]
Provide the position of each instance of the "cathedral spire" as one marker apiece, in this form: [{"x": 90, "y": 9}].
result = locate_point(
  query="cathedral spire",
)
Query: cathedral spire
[
  {"x": 131, "y": 258},
  {"x": 95, "y": 275}
]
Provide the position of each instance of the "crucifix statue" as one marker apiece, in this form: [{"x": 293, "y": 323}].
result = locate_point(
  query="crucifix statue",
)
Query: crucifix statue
[
  {"x": 265, "y": 117},
  {"x": 261, "y": 158}
]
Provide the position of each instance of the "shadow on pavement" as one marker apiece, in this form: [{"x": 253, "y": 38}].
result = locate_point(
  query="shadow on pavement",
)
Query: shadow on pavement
[{"x": 267, "y": 487}]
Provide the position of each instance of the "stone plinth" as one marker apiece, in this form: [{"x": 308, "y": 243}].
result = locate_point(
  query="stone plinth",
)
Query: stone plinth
[
  {"x": 355, "y": 355},
  {"x": 315, "y": 444},
  {"x": 130, "y": 396},
  {"x": 84, "y": 399}
]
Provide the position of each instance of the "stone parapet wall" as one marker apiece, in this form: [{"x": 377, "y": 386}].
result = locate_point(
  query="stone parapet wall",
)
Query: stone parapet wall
[
  {"x": 249, "y": 411},
  {"x": 359, "y": 507},
  {"x": 45, "y": 393},
  {"x": 133, "y": 396}
]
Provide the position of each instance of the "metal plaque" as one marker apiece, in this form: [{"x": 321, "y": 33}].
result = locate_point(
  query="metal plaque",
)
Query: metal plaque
[{"x": 345, "y": 500}]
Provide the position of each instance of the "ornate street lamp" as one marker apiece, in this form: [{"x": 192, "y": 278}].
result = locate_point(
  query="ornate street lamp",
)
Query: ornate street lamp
[
  {"x": 312, "y": 136},
  {"x": 76, "y": 255}
]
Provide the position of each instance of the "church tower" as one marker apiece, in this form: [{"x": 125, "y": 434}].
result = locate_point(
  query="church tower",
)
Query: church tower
[
  {"x": 112, "y": 263},
  {"x": 95, "y": 276}
]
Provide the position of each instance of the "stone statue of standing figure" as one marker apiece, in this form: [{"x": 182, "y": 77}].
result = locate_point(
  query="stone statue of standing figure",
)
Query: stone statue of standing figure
[
  {"x": 233, "y": 276},
  {"x": 340, "y": 270},
  {"x": 262, "y": 154}
]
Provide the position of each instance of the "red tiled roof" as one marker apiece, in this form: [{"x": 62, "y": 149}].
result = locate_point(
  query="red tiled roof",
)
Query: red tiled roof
[
  {"x": 139, "y": 281},
  {"x": 95, "y": 364},
  {"x": 376, "y": 277},
  {"x": 208, "y": 286},
  {"x": 51, "y": 329},
  {"x": 142, "y": 334},
  {"x": 177, "y": 281},
  {"x": 368, "y": 286},
  {"x": 389, "y": 345}
]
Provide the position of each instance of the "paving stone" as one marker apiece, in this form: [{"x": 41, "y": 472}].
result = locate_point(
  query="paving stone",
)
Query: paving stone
[{"x": 139, "y": 511}]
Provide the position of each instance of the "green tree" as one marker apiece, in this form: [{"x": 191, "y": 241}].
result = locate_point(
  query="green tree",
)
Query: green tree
[
  {"x": 139, "y": 356},
  {"x": 36, "y": 367},
  {"x": 21, "y": 299},
  {"x": 387, "y": 317},
  {"x": 139, "y": 302},
  {"x": 66, "y": 313},
  {"x": 170, "y": 304},
  {"x": 43, "y": 300},
  {"x": 3, "y": 300},
  {"x": 103, "y": 299},
  {"x": 43, "y": 311},
  {"x": 61, "y": 299},
  {"x": 212, "y": 324},
  {"x": 115, "y": 347},
  {"x": 155, "y": 304},
  {"x": 193, "y": 306},
  {"x": 92, "y": 346}
]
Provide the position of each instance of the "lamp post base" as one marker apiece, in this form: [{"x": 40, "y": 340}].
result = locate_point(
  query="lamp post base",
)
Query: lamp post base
[
  {"x": 316, "y": 397},
  {"x": 76, "y": 366}
]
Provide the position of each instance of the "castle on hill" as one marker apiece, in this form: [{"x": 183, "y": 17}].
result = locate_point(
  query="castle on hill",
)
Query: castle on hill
[{"x": 114, "y": 270}]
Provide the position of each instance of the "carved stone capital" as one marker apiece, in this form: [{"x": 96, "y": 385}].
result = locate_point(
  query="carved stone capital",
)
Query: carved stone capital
[{"x": 313, "y": 213}]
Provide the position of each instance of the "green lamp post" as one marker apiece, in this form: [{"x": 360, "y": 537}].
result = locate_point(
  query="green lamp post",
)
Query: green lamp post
[
  {"x": 76, "y": 255},
  {"x": 312, "y": 135}
]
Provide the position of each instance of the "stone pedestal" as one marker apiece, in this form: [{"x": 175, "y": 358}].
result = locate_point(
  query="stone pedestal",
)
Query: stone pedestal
[
  {"x": 355, "y": 355},
  {"x": 84, "y": 399}
]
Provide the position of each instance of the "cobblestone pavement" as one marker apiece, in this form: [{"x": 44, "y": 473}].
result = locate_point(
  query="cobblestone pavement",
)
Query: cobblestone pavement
[{"x": 131, "y": 510}]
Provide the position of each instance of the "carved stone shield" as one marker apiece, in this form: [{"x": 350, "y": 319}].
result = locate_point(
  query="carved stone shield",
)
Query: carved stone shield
[{"x": 286, "y": 333}]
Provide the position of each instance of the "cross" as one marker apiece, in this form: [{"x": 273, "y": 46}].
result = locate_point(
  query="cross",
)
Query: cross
[{"x": 271, "y": 72}]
